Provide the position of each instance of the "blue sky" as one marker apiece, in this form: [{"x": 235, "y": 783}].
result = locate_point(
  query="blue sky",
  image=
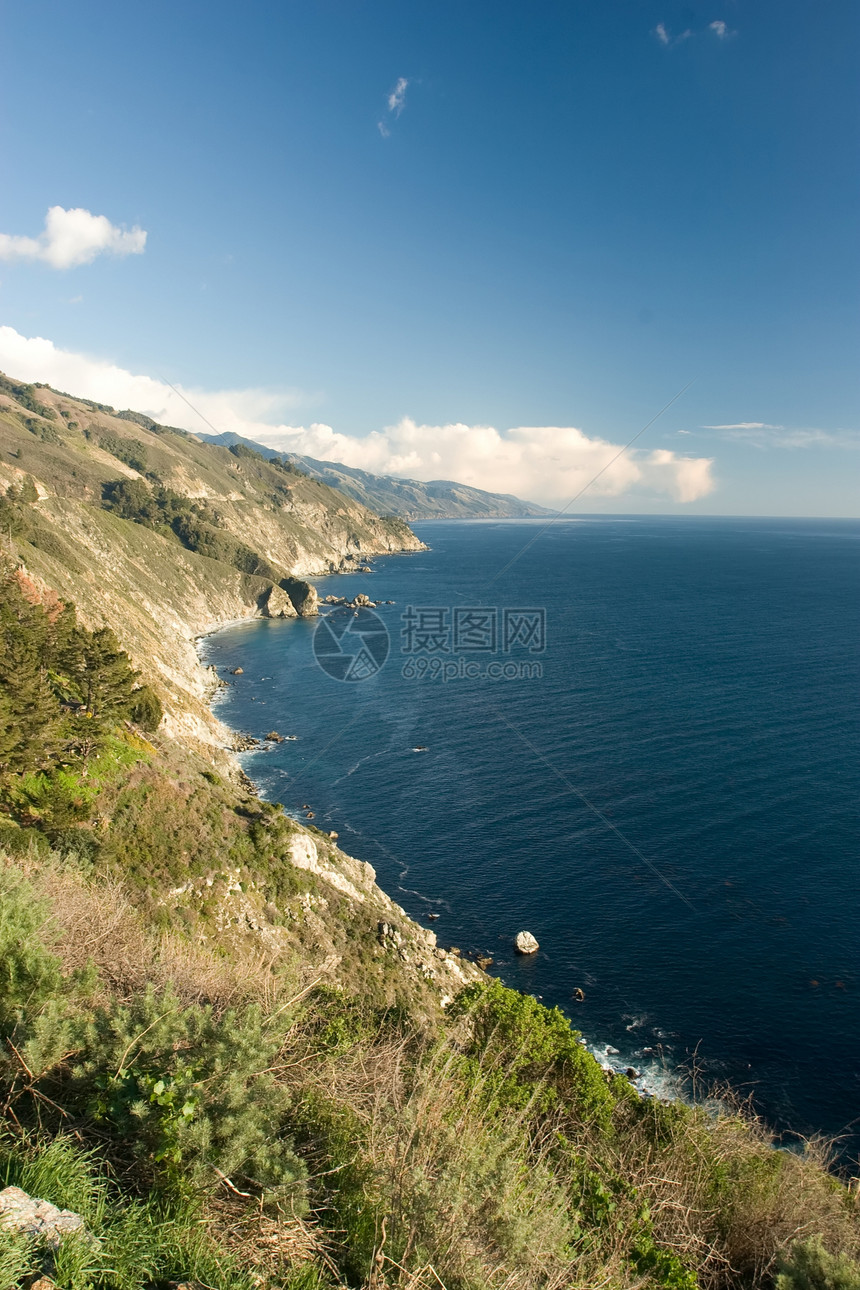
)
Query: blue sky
[{"x": 378, "y": 230}]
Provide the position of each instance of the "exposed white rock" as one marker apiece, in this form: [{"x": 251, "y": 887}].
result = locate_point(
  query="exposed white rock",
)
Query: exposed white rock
[
  {"x": 526, "y": 943},
  {"x": 22, "y": 1213},
  {"x": 304, "y": 854},
  {"x": 389, "y": 933}
]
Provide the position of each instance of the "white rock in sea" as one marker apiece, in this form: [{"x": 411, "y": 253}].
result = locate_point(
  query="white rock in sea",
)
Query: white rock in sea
[{"x": 526, "y": 943}]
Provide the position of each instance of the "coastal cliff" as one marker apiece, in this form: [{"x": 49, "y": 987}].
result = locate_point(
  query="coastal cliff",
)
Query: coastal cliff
[
  {"x": 165, "y": 538},
  {"x": 126, "y": 567},
  {"x": 224, "y": 1051}
]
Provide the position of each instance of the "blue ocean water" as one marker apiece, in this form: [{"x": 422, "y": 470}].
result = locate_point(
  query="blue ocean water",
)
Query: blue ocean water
[{"x": 672, "y": 808}]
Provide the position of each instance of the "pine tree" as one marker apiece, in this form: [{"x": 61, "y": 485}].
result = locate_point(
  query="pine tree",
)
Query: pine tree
[
  {"x": 29, "y": 713},
  {"x": 28, "y": 494},
  {"x": 108, "y": 678}
]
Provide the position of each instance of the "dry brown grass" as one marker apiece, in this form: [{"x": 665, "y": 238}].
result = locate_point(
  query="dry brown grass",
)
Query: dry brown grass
[
  {"x": 460, "y": 1198},
  {"x": 93, "y": 921},
  {"x": 467, "y": 1202},
  {"x": 726, "y": 1201},
  {"x": 267, "y": 1242}
]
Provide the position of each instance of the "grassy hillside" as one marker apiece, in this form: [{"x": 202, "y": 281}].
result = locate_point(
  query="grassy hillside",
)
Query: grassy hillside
[
  {"x": 145, "y": 526},
  {"x": 220, "y": 1043}
]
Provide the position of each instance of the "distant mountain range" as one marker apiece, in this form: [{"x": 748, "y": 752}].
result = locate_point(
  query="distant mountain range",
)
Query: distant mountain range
[{"x": 388, "y": 495}]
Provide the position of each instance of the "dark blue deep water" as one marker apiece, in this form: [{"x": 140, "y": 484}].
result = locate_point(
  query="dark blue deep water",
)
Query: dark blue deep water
[{"x": 700, "y": 691}]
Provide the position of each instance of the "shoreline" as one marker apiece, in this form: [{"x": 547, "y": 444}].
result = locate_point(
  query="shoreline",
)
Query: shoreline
[
  {"x": 653, "y": 1080},
  {"x": 321, "y": 853}
]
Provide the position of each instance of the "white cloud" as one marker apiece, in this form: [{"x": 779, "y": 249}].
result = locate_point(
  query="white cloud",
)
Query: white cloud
[
  {"x": 718, "y": 28},
  {"x": 397, "y": 97},
  {"x": 761, "y": 434},
  {"x": 547, "y": 464},
  {"x": 395, "y": 102},
  {"x": 73, "y": 237},
  {"x": 745, "y": 425},
  {"x": 37, "y": 359},
  {"x": 665, "y": 38}
]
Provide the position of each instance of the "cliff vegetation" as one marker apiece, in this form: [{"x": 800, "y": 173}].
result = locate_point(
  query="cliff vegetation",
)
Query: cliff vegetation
[{"x": 221, "y": 1044}]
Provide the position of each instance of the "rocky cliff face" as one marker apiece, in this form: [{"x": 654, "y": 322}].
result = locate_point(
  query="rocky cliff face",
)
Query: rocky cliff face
[
  {"x": 214, "y": 537},
  {"x": 60, "y": 462},
  {"x": 383, "y": 948}
]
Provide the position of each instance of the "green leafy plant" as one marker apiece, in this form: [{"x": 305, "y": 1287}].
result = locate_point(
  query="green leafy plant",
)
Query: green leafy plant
[
  {"x": 130, "y": 451},
  {"x": 809, "y": 1266},
  {"x": 529, "y": 1053}
]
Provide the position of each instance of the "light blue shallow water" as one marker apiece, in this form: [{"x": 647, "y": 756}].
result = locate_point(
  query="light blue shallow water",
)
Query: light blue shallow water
[{"x": 700, "y": 691}]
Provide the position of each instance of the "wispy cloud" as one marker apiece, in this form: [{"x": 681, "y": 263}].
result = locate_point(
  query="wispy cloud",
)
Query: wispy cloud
[
  {"x": 397, "y": 97},
  {"x": 71, "y": 238},
  {"x": 761, "y": 434},
  {"x": 395, "y": 102},
  {"x": 745, "y": 425},
  {"x": 717, "y": 28},
  {"x": 546, "y": 463}
]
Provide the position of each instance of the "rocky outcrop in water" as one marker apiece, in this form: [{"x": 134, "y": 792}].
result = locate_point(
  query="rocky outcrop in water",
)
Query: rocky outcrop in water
[
  {"x": 277, "y": 604},
  {"x": 361, "y": 601},
  {"x": 303, "y": 596}
]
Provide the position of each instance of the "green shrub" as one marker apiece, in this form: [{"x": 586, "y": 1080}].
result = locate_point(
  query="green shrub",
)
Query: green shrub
[
  {"x": 29, "y": 973},
  {"x": 54, "y": 800},
  {"x": 63, "y": 690},
  {"x": 26, "y": 396},
  {"x": 47, "y": 539},
  {"x": 145, "y": 708},
  {"x": 28, "y": 493},
  {"x": 46, "y": 433},
  {"x": 662, "y": 1267},
  {"x": 194, "y": 524},
  {"x": 130, "y": 451},
  {"x": 15, "y": 519},
  {"x": 179, "y": 1093},
  {"x": 808, "y": 1266},
  {"x": 190, "y": 1094},
  {"x": 529, "y": 1054}
]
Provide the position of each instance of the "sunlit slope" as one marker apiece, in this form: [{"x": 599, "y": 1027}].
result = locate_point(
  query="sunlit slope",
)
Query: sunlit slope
[{"x": 164, "y": 536}]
